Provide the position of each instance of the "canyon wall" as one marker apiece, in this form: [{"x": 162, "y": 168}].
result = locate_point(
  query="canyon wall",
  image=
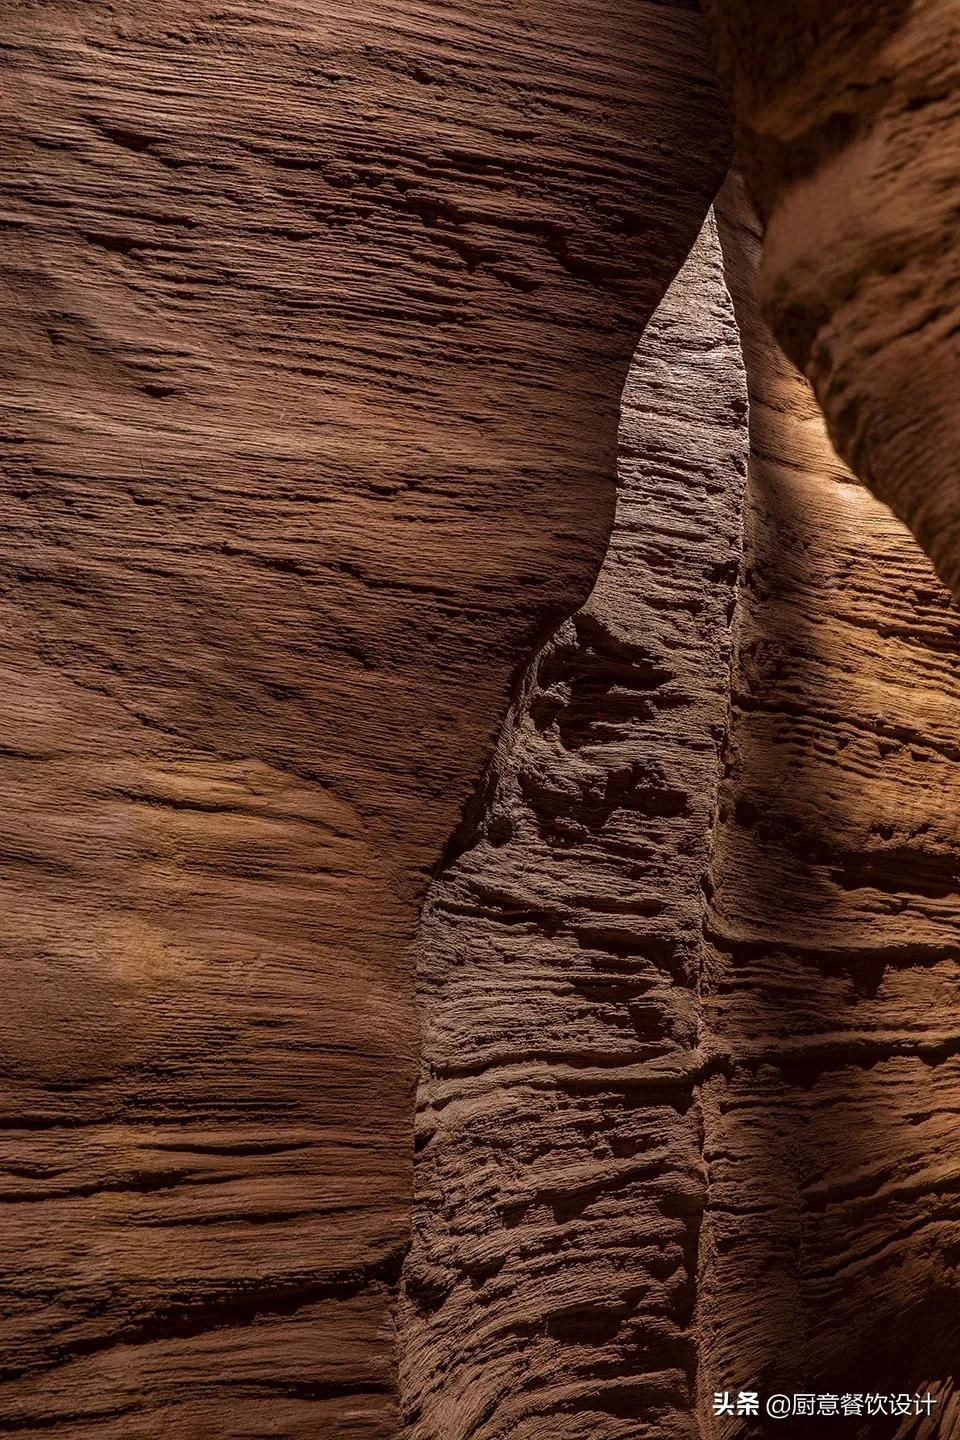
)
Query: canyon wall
[
  {"x": 847, "y": 121},
  {"x": 315, "y": 322},
  {"x": 687, "y": 1116},
  {"x": 830, "y": 1248},
  {"x": 550, "y": 1286},
  {"x": 315, "y": 332}
]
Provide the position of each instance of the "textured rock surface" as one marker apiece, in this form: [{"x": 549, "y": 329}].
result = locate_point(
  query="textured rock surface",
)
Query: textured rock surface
[
  {"x": 315, "y": 321},
  {"x": 831, "y": 1243},
  {"x": 848, "y": 128},
  {"x": 309, "y": 423},
  {"x": 550, "y": 1286},
  {"x": 597, "y": 1072}
]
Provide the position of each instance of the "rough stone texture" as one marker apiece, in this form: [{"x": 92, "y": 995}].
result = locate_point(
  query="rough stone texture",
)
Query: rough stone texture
[
  {"x": 549, "y": 1290},
  {"x": 315, "y": 320},
  {"x": 314, "y": 329},
  {"x": 848, "y": 128},
  {"x": 831, "y": 1243}
]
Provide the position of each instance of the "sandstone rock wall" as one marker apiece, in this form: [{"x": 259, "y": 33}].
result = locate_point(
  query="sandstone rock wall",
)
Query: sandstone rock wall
[
  {"x": 847, "y": 119},
  {"x": 687, "y": 1114},
  {"x": 550, "y": 1287},
  {"x": 830, "y": 1250},
  {"x": 315, "y": 325},
  {"x": 314, "y": 320}
]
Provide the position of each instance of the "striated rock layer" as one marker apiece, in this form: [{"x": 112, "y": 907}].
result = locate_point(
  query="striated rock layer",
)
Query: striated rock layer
[
  {"x": 315, "y": 327},
  {"x": 643, "y": 1008},
  {"x": 549, "y": 1290},
  {"x": 848, "y": 128},
  {"x": 831, "y": 1243},
  {"x": 315, "y": 321}
]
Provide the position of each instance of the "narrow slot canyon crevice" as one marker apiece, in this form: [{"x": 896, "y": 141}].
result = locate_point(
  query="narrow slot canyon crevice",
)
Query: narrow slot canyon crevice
[{"x": 316, "y": 320}]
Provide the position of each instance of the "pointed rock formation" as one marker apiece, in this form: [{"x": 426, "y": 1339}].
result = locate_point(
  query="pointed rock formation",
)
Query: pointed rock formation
[{"x": 550, "y": 1287}]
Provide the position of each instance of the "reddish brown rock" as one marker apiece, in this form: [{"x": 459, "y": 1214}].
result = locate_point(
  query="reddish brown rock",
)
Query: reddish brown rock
[
  {"x": 550, "y": 1287},
  {"x": 829, "y": 1259},
  {"x": 315, "y": 324},
  {"x": 848, "y": 128},
  {"x": 597, "y": 1071}
]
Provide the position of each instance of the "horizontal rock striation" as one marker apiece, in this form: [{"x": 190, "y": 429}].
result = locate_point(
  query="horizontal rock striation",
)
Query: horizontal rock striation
[
  {"x": 315, "y": 321},
  {"x": 848, "y": 129},
  {"x": 549, "y": 1290},
  {"x": 831, "y": 1242}
]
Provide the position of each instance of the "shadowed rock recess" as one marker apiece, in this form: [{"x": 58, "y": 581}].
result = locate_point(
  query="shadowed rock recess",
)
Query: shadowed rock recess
[
  {"x": 831, "y": 1244},
  {"x": 847, "y": 118},
  {"x": 550, "y": 1286}
]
